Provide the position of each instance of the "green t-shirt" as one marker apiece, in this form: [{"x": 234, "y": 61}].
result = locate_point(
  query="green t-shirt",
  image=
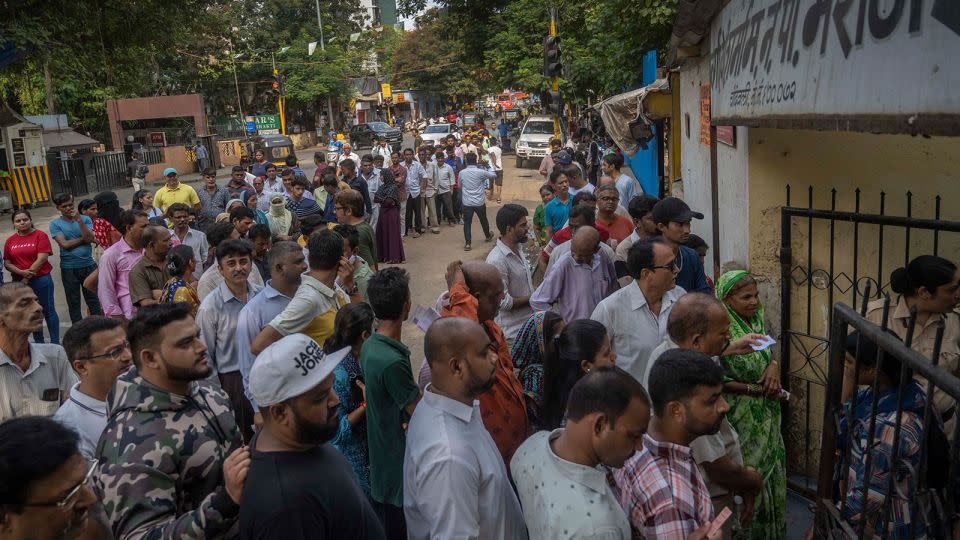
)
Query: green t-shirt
[
  {"x": 368, "y": 244},
  {"x": 390, "y": 387}
]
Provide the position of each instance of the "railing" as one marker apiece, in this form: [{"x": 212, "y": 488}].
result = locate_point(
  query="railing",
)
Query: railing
[{"x": 930, "y": 508}]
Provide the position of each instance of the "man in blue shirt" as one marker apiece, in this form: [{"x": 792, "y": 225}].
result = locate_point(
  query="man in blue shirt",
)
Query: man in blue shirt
[
  {"x": 73, "y": 232},
  {"x": 672, "y": 217}
]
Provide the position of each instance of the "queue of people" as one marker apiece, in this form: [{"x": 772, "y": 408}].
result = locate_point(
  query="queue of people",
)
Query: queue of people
[{"x": 236, "y": 378}]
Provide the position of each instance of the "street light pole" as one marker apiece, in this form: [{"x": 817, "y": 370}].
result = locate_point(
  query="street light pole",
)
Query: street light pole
[
  {"x": 243, "y": 120},
  {"x": 323, "y": 48}
]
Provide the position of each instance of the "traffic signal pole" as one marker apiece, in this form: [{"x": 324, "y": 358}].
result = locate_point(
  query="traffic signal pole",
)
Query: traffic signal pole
[
  {"x": 280, "y": 97},
  {"x": 555, "y": 82}
]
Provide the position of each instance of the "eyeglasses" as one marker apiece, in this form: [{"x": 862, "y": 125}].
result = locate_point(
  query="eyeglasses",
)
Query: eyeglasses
[
  {"x": 672, "y": 265},
  {"x": 113, "y": 353},
  {"x": 70, "y": 498}
]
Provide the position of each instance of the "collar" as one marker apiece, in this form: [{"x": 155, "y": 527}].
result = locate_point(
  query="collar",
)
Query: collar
[
  {"x": 450, "y": 406},
  {"x": 593, "y": 478},
  {"x": 148, "y": 262},
  {"x": 594, "y": 262},
  {"x": 666, "y": 450},
  {"x": 125, "y": 247},
  {"x": 392, "y": 343},
  {"x": 36, "y": 359},
  {"x": 269, "y": 292},
  {"x": 504, "y": 248},
  {"x": 86, "y": 402},
  {"x": 318, "y": 285},
  {"x": 228, "y": 295},
  {"x": 634, "y": 236},
  {"x": 638, "y": 300},
  {"x": 180, "y": 185},
  {"x": 902, "y": 310}
]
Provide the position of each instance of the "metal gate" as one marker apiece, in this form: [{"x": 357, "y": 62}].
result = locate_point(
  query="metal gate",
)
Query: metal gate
[
  {"x": 67, "y": 175},
  {"x": 829, "y": 256}
]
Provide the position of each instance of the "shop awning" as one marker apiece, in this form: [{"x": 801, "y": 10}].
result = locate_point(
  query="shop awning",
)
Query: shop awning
[
  {"x": 67, "y": 139},
  {"x": 641, "y": 106}
]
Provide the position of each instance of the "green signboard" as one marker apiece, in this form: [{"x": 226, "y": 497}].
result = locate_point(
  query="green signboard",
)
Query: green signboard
[{"x": 267, "y": 122}]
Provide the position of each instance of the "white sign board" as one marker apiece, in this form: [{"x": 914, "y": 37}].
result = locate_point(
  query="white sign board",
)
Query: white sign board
[{"x": 790, "y": 59}]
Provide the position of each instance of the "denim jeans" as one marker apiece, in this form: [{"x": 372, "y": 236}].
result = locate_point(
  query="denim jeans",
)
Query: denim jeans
[
  {"x": 481, "y": 212},
  {"x": 72, "y": 286},
  {"x": 43, "y": 287}
]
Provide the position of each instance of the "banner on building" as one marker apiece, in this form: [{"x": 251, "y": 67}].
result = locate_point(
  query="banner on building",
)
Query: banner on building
[{"x": 836, "y": 61}]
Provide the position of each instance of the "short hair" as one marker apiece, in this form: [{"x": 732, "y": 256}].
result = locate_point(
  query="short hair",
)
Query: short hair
[
  {"x": 348, "y": 164},
  {"x": 640, "y": 256},
  {"x": 352, "y": 200},
  {"x": 607, "y": 390},
  {"x": 319, "y": 155},
  {"x": 470, "y": 158},
  {"x": 605, "y": 187},
  {"x": 325, "y": 248},
  {"x": 290, "y": 160},
  {"x": 218, "y": 232},
  {"x": 242, "y": 212},
  {"x": 588, "y": 213},
  {"x": 82, "y": 206},
  {"x": 571, "y": 170},
  {"x": 269, "y": 166},
  {"x": 61, "y": 198},
  {"x": 555, "y": 174},
  {"x": 368, "y": 158},
  {"x": 286, "y": 171},
  {"x": 691, "y": 319},
  {"x": 640, "y": 206},
  {"x": 129, "y": 217},
  {"x": 280, "y": 250},
  {"x": 260, "y": 232},
  {"x": 548, "y": 188},
  {"x": 230, "y": 248},
  {"x": 614, "y": 159},
  {"x": 695, "y": 242},
  {"x": 153, "y": 233},
  {"x": 178, "y": 259},
  {"x": 330, "y": 180},
  {"x": 676, "y": 375},
  {"x": 147, "y": 325},
  {"x": 389, "y": 290},
  {"x": 889, "y": 364},
  {"x": 76, "y": 341},
  {"x": 31, "y": 449},
  {"x": 584, "y": 196},
  {"x": 301, "y": 181},
  {"x": 178, "y": 207},
  {"x": 237, "y": 168},
  {"x": 349, "y": 233},
  {"x": 210, "y": 171},
  {"x": 509, "y": 215}
]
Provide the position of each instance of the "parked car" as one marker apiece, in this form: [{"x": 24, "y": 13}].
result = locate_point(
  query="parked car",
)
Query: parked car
[
  {"x": 365, "y": 135},
  {"x": 534, "y": 141},
  {"x": 438, "y": 132}
]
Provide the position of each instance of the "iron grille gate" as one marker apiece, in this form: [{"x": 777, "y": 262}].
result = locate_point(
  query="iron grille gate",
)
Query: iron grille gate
[
  {"x": 930, "y": 508},
  {"x": 854, "y": 255}
]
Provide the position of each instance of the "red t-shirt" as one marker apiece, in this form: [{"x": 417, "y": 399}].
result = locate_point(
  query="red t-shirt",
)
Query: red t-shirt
[
  {"x": 619, "y": 228},
  {"x": 563, "y": 235},
  {"x": 22, "y": 251}
]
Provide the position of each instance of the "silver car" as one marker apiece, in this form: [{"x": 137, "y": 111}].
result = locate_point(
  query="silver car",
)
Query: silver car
[{"x": 438, "y": 132}]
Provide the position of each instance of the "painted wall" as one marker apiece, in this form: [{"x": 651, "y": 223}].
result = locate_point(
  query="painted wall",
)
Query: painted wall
[{"x": 695, "y": 172}]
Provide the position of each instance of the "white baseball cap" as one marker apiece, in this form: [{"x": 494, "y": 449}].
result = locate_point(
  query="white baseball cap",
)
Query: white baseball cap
[{"x": 289, "y": 368}]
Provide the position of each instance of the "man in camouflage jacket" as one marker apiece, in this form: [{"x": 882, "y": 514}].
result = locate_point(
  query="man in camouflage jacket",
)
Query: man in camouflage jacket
[{"x": 164, "y": 455}]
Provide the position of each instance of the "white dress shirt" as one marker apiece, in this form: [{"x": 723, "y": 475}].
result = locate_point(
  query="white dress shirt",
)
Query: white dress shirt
[
  {"x": 473, "y": 183},
  {"x": 634, "y": 330},
  {"x": 564, "y": 500},
  {"x": 455, "y": 485},
  {"x": 515, "y": 273},
  {"x": 351, "y": 155},
  {"x": 85, "y": 415}
]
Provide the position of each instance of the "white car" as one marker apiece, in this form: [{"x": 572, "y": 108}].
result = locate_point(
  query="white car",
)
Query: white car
[
  {"x": 534, "y": 140},
  {"x": 438, "y": 132}
]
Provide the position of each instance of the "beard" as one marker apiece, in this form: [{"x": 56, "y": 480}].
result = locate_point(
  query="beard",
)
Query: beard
[
  {"x": 314, "y": 434},
  {"x": 477, "y": 385},
  {"x": 700, "y": 428},
  {"x": 192, "y": 373},
  {"x": 523, "y": 239}
]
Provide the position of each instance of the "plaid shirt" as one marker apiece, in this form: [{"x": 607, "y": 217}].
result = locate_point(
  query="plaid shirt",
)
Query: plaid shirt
[{"x": 662, "y": 490}]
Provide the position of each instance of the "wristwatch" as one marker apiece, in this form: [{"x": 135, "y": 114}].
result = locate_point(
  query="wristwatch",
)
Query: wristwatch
[{"x": 355, "y": 290}]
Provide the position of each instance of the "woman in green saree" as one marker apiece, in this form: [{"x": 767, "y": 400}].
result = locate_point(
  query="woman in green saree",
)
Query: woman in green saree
[{"x": 752, "y": 386}]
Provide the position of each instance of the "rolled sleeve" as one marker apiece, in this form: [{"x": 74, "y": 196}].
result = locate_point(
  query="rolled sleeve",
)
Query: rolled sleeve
[{"x": 295, "y": 317}]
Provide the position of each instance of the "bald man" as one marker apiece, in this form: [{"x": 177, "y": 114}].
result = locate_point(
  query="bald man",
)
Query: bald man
[
  {"x": 455, "y": 483},
  {"x": 475, "y": 291},
  {"x": 579, "y": 281},
  {"x": 699, "y": 322}
]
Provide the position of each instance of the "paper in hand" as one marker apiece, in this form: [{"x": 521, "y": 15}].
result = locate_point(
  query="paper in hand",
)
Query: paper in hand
[
  {"x": 765, "y": 342},
  {"x": 423, "y": 317}
]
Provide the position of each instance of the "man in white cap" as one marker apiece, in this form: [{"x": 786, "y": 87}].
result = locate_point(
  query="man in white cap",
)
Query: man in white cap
[
  {"x": 299, "y": 486},
  {"x": 175, "y": 192}
]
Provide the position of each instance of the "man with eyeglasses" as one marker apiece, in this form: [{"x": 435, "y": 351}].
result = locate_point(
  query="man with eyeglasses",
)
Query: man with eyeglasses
[
  {"x": 171, "y": 464},
  {"x": 636, "y": 315},
  {"x": 99, "y": 353},
  {"x": 34, "y": 377},
  {"x": 45, "y": 490}
]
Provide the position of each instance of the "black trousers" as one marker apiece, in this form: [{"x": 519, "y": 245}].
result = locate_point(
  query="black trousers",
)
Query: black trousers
[
  {"x": 393, "y": 521},
  {"x": 414, "y": 210},
  {"x": 72, "y": 279},
  {"x": 445, "y": 207},
  {"x": 481, "y": 212},
  {"x": 457, "y": 204}
]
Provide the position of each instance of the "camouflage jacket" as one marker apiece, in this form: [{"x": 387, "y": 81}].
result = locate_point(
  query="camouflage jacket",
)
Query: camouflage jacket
[{"x": 160, "y": 474}]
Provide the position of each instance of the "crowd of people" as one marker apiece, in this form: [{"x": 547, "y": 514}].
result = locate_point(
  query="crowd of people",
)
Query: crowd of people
[{"x": 239, "y": 369}]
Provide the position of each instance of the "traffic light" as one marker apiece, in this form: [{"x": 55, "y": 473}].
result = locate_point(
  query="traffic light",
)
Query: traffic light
[
  {"x": 552, "y": 102},
  {"x": 552, "y": 66}
]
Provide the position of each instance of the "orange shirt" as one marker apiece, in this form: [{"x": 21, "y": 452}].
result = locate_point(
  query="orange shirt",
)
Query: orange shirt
[
  {"x": 502, "y": 407},
  {"x": 619, "y": 228}
]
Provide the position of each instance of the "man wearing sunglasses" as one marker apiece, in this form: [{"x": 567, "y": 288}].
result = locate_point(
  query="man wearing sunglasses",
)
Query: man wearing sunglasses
[
  {"x": 636, "y": 315},
  {"x": 44, "y": 483},
  {"x": 98, "y": 351}
]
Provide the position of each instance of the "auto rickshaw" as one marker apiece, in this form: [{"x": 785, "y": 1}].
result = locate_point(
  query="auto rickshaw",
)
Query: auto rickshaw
[{"x": 275, "y": 148}]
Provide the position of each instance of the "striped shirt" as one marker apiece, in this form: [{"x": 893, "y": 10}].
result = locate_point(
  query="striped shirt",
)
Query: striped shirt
[
  {"x": 40, "y": 389},
  {"x": 663, "y": 492}
]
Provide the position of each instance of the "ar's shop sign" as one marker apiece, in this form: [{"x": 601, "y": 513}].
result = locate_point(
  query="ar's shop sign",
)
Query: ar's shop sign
[{"x": 783, "y": 59}]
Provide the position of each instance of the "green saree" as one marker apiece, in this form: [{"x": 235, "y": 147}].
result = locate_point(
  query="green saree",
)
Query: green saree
[{"x": 757, "y": 421}]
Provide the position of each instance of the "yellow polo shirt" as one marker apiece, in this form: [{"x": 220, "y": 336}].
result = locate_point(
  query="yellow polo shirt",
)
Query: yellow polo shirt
[{"x": 181, "y": 194}]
